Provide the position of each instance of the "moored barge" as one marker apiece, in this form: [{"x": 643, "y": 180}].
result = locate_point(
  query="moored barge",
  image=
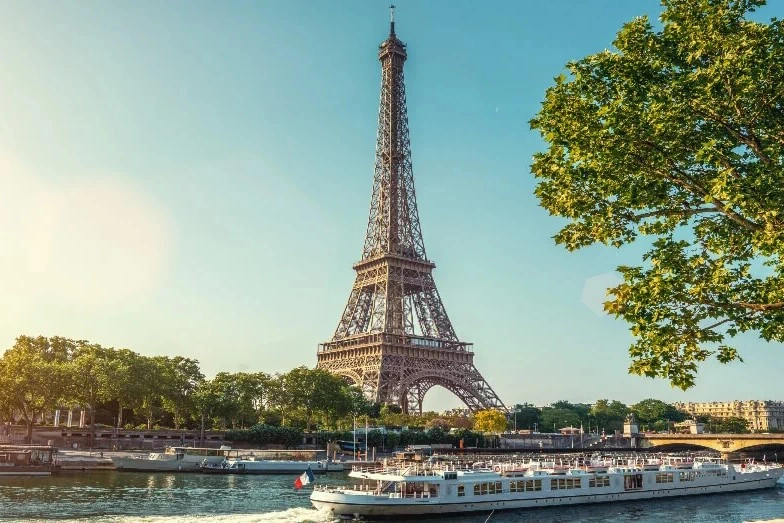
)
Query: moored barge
[{"x": 27, "y": 460}]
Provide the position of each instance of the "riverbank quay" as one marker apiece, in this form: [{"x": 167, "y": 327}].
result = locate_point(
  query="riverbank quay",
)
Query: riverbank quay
[{"x": 108, "y": 438}]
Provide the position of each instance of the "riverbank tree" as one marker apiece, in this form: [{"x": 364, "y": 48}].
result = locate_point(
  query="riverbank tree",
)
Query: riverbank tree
[{"x": 122, "y": 388}]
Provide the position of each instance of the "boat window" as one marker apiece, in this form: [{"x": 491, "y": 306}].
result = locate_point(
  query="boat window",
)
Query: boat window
[
  {"x": 565, "y": 483},
  {"x": 599, "y": 481},
  {"x": 461, "y": 490},
  {"x": 527, "y": 485},
  {"x": 632, "y": 481},
  {"x": 493, "y": 487},
  {"x": 664, "y": 477},
  {"x": 687, "y": 476}
]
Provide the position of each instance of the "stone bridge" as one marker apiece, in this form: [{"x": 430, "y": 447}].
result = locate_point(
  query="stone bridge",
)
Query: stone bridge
[{"x": 724, "y": 443}]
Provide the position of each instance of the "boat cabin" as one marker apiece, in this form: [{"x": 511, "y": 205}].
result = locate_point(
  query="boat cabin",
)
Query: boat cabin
[
  {"x": 26, "y": 455},
  {"x": 197, "y": 451}
]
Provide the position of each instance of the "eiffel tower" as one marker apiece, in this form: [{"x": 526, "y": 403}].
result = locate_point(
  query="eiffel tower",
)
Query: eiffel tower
[{"x": 395, "y": 340}]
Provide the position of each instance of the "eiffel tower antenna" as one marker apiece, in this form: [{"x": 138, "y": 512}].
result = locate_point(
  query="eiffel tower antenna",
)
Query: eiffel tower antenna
[
  {"x": 392, "y": 19},
  {"x": 394, "y": 339}
]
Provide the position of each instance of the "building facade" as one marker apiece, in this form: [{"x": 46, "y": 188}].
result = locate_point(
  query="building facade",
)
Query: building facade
[{"x": 762, "y": 416}]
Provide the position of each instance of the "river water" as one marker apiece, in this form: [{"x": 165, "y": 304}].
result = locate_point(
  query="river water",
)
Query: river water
[{"x": 134, "y": 497}]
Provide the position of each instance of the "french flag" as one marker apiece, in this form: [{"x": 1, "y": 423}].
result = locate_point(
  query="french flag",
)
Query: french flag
[{"x": 306, "y": 478}]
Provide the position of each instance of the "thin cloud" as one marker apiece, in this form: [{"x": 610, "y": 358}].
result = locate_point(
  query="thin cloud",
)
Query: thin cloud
[
  {"x": 91, "y": 242},
  {"x": 595, "y": 291}
]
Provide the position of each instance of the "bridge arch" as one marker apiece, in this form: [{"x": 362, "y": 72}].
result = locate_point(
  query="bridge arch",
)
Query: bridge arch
[{"x": 725, "y": 443}]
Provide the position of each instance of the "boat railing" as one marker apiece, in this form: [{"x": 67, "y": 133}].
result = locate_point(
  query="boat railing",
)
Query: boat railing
[
  {"x": 370, "y": 469},
  {"x": 405, "y": 469},
  {"x": 367, "y": 490}
]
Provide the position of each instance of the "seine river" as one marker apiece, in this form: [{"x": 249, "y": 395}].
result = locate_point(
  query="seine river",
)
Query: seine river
[{"x": 178, "y": 498}]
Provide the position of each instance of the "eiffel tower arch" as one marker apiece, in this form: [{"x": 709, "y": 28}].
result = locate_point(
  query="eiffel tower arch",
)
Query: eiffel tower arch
[{"x": 394, "y": 339}]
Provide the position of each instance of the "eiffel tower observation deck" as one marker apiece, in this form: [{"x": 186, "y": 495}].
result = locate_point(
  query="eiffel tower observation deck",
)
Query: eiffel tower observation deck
[{"x": 394, "y": 339}]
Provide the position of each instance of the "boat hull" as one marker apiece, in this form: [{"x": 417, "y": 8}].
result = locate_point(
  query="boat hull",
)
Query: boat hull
[
  {"x": 276, "y": 467},
  {"x": 25, "y": 471},
  {"x": 149, "y": 465},
  {"x": 355, "y": 506}
]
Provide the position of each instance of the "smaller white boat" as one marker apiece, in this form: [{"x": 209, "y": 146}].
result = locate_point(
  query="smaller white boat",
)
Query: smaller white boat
[{"x": 174, "y": 459}]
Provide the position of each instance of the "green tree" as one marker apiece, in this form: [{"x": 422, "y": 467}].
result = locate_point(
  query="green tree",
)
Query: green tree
[
  {"x": 526, "y": 416},
  {"x": 244, "y": 396},
  {"x": 728, "y": 425},
  {"x": 557, "y": 417},
  {"x": 228, "y": 408},
  {"x": 489, "y": 420},
  {"x": 207, "y": 402},
  {"x": 89, "y": 378},
  {"x": 311, "y": 391},
  {"x": 7, "y": 403},
  {"x": 181, "y": 376},
  {"x": 609, "y": 415},
  {"x": 734, "y": 425},
  {"x": 126, "y": 380},
  {"x": 677, "y": 136},
  {"x": 35, "y": 376},
  {"x": 152, "y": 387},
  {"x": 252, "y": 389},
  {"x": 649, "y": 411}
]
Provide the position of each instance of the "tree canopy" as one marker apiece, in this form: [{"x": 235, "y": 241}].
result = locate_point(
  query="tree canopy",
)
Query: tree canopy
[
  {"x": 489, "y": 420},
  {"x": 651, "y": 410},
  {"x": 526, "y": 416},
  {"x": 609, "y": 415},
  {"x": 40, "y": 374},
  {"x": 675, "y": 139}
]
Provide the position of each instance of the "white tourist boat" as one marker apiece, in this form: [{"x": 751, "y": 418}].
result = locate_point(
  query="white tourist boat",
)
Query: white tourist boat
[
  {"x": 423, "y": 489},
  {"x": 174, "y": 459}
]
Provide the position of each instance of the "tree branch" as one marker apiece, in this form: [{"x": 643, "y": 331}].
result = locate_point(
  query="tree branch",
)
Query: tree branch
[
  {"x": 714, "y": 325},
  {"x": 673, "y": 212},
  {"x": 687, "y": 182},
  {"x": 761, "y": 307},
  {"x": 751, "y": 141},
  {"x": 756, "y": 307}
]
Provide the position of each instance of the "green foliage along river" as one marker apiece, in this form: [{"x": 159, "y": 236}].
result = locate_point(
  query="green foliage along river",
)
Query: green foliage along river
[{"x": 178, "y": 498}]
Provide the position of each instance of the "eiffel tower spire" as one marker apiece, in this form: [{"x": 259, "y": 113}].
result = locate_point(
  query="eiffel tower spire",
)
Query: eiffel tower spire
[{"x": 394, "y": 338}]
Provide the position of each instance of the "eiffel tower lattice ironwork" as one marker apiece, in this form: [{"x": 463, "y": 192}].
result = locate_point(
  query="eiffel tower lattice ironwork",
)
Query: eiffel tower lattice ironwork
[{"x": 395, "y": 339}]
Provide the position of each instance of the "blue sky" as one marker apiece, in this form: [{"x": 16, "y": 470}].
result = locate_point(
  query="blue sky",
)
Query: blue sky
[{"x": 194, "y": 178}]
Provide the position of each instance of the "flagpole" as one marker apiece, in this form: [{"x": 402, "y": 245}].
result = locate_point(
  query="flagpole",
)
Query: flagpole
[
  {"x": 354, "y": 432},
  {"x": 366, "y": 438}
]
